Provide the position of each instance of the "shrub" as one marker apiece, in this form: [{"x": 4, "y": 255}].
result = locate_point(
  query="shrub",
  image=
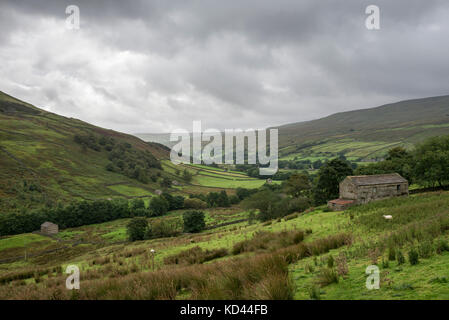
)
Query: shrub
[
  {"x": 413, "y": 257},
  {"x": 327, "y": 276},
  {"x": 330, "y": 261},
  {"x": 137, "y": 229},
  {"x": 391, "y": 253},
  {"x": 385, "y": 263},
  {"x": 252, "y": 217},
  {"x": 193, "y": 221},
  {"x": 158, "y": 206},
  {"x": 425, "y": 249},
  {"x": 442, "y": 246},
  {"x": 164, "y": 228},
  {"x": 234, "y": 199},
  {"x": 400, "y": 257},
  {"x": 314, "y": 292},
  {"x": 194, "y": 204}
]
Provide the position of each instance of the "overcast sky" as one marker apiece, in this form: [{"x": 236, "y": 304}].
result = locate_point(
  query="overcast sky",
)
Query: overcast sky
[{"x": 153, "y": 66}]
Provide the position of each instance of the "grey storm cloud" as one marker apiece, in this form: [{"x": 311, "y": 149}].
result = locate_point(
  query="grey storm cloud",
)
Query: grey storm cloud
[{"x": 153, "y": 66}]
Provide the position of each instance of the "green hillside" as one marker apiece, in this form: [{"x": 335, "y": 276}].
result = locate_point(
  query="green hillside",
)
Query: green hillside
[
  {"x": 46, "y": 158},
  {"x": 284, "y": 259},
  {"x": 360, "y": 135},
  {"x": 40, "y": 161},
  {"x": 368, "y": 133}
]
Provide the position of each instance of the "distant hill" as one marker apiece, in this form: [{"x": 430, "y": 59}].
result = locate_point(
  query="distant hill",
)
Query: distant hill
[
  {"x": 366, "y": 133},
  {"x": 360, "y": 135},
  {"x": 162, "y": 138},
  {"x": 40, "y": 161}
]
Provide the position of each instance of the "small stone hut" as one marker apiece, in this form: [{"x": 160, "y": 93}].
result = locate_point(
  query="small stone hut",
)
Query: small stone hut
[
  {"x": 364, "y": 189},
  {"x": 49, "y": 228}
]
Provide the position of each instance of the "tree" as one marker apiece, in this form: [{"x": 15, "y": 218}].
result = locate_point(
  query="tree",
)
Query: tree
[
  {"x": 431, "y": 161},
  {"x": 166, "y": 183},
  {"x": 243, "y": 193},
  {"x": 296, "y": 185},
  {"x": 265, "y": 201},
  {"x": 329, "y": 177},
  {"x": 193, "y": 221},
  {"x": 174, "y": 202},
  {"x": 137, "y": 228},
  {"x": 397, "y": 153},
  {"x": 223, "y": 200},
  {"x": 158, "y": 206},
  {"x": 137, "y": 204},
  {"x": 194, "y": 204}
]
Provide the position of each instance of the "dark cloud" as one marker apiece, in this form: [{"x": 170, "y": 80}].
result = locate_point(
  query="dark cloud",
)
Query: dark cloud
[{"x": 148, "y": 66}]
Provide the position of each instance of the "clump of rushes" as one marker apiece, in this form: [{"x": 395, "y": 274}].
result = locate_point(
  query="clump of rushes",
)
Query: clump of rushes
[{"x": 413, "y": 257}]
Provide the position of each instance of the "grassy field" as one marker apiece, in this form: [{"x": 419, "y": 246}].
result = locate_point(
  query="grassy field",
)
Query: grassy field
[
  {"x": 205, "y": 176},
  {"x": 106, "y": 259}
]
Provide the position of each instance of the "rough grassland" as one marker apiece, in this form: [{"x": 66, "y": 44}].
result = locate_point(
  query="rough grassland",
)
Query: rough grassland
[{"x": 105, "y": 259}]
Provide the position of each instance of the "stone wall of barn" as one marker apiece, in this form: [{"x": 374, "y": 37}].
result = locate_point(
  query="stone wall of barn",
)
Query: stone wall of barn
[
  {"x": 366, "y": 194},
  {"x": 347, "y": 190},
  {"x": 52, "y": 229}
]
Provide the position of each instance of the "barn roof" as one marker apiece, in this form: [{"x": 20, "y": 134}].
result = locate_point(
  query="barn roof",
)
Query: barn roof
[
  {"x": 341, "y": 201},
  {"x": 376, "y": 179}
]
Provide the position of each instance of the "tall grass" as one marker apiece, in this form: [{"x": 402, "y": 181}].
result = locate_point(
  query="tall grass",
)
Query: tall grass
[
  {"x": 264, "y": 276},
  {"x": 195, "y": 255},
  {"x": 263, "y": 240}
]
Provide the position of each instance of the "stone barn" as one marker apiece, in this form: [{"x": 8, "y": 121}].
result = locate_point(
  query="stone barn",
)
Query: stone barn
[
  {"x": 364, "y": 189},
  {"x": 49, "y": 228}
]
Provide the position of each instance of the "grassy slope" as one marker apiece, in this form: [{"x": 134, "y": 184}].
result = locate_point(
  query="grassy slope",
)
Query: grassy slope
[
  {"x": 367, "y": 133},
  {"x": 38, "y": 146},
  {"x": 423, "y": 281}
]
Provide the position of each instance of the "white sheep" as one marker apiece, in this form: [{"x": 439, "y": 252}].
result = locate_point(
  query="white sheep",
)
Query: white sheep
[{"x": 388, "y": 217}]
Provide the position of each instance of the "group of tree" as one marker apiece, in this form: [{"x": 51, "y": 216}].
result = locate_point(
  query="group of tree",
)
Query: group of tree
[
  {"x": 216, "y": 199},
  {"x": 427, "y": 164},
  {"x": 82, "y": 213},
  {"x": 72, "y": 215},
  {"x": 139, "y": 228},
  {"x": 124, "y": 158},
  {"x": 133, "y": 163}
]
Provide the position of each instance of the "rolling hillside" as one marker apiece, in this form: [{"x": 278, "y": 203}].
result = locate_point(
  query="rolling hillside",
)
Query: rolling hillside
[
  {"x": 368, "y": 133},
  {"x": 361, "y": 135},
  {"x": 40, "y": 161}
]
